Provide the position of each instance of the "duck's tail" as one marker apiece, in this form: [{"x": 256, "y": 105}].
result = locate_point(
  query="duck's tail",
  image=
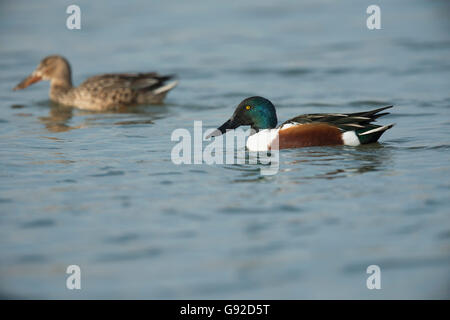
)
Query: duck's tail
[
  {"x": 165, "y": 88},
  {"x": 157, "y": 92},
  {"x": 372, "y": 133}
]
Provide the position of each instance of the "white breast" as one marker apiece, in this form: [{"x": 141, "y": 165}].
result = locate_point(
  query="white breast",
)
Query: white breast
[{"x": 261, "y": 140}]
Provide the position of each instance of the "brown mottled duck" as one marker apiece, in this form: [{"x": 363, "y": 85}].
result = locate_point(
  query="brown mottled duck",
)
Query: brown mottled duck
[{"x": 102, "y": 92}]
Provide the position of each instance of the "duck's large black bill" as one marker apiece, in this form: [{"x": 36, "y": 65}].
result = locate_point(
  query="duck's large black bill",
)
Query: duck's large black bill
[{"x": 230, "y": 124}]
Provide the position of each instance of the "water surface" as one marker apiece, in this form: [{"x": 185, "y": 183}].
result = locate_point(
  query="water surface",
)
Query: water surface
[{"x": 99, "y": 190}]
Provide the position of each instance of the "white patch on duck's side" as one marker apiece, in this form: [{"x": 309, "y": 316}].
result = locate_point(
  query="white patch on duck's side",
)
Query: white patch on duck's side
[
  {"x": 350, "y": 139},
  {"x": 261, "y": 140}
]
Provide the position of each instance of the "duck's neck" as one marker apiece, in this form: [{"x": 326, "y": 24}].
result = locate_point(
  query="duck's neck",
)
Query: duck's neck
[
  {"x": 60, "y": 86},
  {"x": 61, "y": 79},
  {"x": 265, "y": 118},
  {"x": 265, "y": 123},
  {"x": 64, "y": 80}
]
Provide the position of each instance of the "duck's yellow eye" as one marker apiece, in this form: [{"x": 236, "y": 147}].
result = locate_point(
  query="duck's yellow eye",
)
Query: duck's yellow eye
[{"x": 247, "y": 107}]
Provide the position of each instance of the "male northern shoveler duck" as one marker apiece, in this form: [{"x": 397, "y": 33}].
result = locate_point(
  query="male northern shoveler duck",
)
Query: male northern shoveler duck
[
  {"x": 320, "y": 129},
  {"x": 101, "y": 92}
]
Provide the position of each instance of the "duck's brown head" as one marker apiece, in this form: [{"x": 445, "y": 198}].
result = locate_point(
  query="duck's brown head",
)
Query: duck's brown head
[{"x": 52, "y": 68}]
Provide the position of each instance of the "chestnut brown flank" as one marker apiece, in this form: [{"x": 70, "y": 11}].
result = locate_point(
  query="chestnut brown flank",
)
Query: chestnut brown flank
[{"x": 308, "y": 135}]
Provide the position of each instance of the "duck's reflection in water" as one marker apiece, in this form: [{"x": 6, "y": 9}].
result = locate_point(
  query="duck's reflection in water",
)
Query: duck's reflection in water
[
  {"x": 59, "y": 117},
  {"x": 341, "y": 161},
  {"x": 321, "y": 163}
]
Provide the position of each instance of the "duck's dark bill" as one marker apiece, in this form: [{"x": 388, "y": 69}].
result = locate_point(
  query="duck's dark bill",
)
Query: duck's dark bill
[
  {"x": 32, "y": 78},
  {"x": 230, "y": 124}
]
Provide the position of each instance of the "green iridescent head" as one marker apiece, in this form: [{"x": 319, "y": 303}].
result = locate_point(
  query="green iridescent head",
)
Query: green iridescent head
[{"x": 257, "y": 112}]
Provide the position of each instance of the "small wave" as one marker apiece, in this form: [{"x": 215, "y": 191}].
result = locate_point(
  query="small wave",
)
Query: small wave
[
  {"x": 40, "y": 223},
  {"x": 109, "y": 174}
]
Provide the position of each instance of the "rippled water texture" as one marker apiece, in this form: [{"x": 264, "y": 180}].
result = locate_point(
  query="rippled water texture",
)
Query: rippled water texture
[{"x": 99, "y": 189}]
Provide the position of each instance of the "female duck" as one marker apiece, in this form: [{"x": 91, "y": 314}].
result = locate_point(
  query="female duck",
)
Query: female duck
[
  {"x": 101, "y": 92},
  {"x": 321, "y": 129}
]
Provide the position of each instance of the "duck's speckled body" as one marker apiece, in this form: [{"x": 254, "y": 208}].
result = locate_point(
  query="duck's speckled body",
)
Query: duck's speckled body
[{"x": 101, "y": 92}]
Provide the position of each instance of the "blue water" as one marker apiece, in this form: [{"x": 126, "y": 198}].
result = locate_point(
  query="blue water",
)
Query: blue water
[{"x": 99, "y": 190}]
